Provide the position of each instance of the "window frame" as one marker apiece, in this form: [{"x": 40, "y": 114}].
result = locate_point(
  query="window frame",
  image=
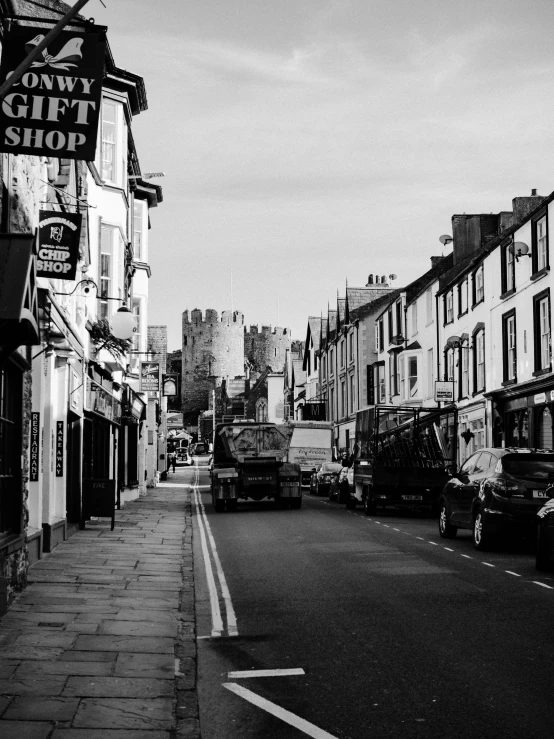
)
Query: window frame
[
  {"x": 476, "y": 298},
  {"x": 463, "y": 286},
  {"x": 478, "y": 337},
  {"x": 538, "y": 300},
  {"x": 509, "y": 347},
  {"x": 539, "y": 267},
  {"x": 508, "y": 265}
]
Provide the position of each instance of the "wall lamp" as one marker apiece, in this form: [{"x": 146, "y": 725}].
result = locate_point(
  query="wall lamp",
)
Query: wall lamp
[
  {"x": 519, "y": 249},
  {"x": 123, "y": 323},
  {"x": 454, "y": 342}
]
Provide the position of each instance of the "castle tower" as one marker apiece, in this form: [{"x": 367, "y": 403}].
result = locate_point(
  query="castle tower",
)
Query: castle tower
[
  {"x": 213, "y": 350},
  {"x": 267, "y": 347}
]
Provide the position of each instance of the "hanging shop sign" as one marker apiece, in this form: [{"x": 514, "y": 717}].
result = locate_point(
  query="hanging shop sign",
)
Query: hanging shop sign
[
  {"x": 314, "y": 412},
  {"x": 169, "y": 384},
  {"x": 34, "y": 447},
  {"x": 444, "y": 391},
  {"x": 58, "y": 238},
  {"x": 149, "y": 377},
  {"x": 53, "y": 110}
]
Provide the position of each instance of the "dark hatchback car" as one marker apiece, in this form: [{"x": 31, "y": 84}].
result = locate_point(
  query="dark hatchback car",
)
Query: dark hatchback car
[
  {"x": 496, "y": 491},
  {"x": 544, "y": 556},
  {"x": 324, "y": 478}
]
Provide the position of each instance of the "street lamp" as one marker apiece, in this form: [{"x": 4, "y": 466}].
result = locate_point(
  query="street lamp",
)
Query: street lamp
[{"x": 123, "y": 323}]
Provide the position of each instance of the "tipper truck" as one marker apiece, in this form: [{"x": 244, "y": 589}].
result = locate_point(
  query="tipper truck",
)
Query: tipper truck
[{"x": 250, "y": 460}]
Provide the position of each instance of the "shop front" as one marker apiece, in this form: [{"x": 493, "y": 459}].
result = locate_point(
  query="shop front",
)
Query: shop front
[
  {"x": 131, "y": 446},
  {"x": 472, "y": 425},
  {"x": 523, "y": 415},
  {"x": 100, "y": 436}
]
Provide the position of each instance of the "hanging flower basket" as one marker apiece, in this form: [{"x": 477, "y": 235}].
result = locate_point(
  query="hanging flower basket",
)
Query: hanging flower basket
[{"x": 102, "y": 337}]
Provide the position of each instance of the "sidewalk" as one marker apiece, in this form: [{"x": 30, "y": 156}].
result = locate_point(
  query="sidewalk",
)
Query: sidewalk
[{"x": 102, "y": 642}]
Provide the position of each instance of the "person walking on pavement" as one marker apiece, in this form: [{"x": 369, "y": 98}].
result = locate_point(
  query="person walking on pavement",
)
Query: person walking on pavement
[{"x": 174, "y": 461}]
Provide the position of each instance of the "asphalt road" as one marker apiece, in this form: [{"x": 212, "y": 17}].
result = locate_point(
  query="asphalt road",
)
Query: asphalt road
[{"x": 399, "y": 633}]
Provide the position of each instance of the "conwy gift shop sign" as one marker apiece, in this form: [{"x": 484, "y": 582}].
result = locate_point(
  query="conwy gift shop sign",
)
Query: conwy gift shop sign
[{"x": 53, "y": 110}]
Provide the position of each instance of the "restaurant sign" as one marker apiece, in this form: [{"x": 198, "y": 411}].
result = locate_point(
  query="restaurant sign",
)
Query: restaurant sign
[
  {"x": 53, "y": 109},
  {"x": 58, "y": 237}
]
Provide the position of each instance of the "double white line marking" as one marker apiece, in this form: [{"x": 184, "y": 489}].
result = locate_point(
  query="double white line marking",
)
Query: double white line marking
[{"x": 209, "y": 551}]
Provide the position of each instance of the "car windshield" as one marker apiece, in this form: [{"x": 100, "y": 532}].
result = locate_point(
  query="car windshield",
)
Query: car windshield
[
  {"x": 331, "y": 468},
  {"x": 531, "y": 466}
]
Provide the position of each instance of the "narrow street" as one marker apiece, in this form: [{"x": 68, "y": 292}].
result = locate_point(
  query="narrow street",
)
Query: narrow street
[{"x": 398, "y": 632}]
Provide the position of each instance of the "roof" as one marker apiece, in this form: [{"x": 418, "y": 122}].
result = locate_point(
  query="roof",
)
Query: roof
[
  {"x": 418, "y": 286},
  {"x": 298, "y": 373}
]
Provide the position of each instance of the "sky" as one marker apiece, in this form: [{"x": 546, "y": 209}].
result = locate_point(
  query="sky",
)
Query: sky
[{"x": 310, "y": 143}]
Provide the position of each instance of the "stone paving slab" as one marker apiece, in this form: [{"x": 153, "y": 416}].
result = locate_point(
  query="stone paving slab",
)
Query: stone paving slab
[{"x": 101, "y": 644}]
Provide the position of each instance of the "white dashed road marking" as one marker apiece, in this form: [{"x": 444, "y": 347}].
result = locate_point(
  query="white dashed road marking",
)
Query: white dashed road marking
[
  {"x": 512, "y": 573},
  {"x": 542, "y": 584}
]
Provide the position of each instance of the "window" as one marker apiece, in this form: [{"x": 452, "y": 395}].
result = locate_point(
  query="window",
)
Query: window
[
  {"x": 139, "y": 208},
  {"x": 413, "y": 319},
  {"x": 323, "y": 365},
  {"x": 449, "y": 365},
  {"x": 540, "y": 244},
  {"x": 541, "y": 320},
  {"x": 478, "y": 285},
  {"x": 509, "y": 346},
  {"x": 351, "y": 347},
  {"x": 449, "y": 307},
  {"x": 381, "y": 386},
  {"x": 261, "y": 410},
  {"x": 113, "y": 144},
  {"x": 342, "y": 399},
  {"x": 479, "y": 361},
  {"x": 399, "y": 322},
  {"x": 462, "y": 297},
  {"x": 332, "y": 404},
  {"x": 136, "y": 311},
  {"x": 402, "y": 371},
  {"x": 393, "y": 374},
  {"x": 413, "y": 387},
  {"x": 430, "y": 374},
  {"x": 342, "y": 353},
  {"x": 381, "y": 341},
  {"x": 464, "y": 390},
  {"x": 429, "y": 307},
  {"x": 389, "y": 319},
  {"x": 331, "y": 368},
  {"x": 106, "y": 270},
  {"x": 508, "y": 269},
  {"x": 352, "y": 395}
]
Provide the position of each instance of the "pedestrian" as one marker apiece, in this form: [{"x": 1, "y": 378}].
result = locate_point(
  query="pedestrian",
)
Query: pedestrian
[{"x": 174, "y": 461}]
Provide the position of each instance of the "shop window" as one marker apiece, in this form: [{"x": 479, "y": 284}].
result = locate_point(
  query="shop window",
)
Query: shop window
[
  {"x": 517, "y": 428},
  {"x": 544, "y": 428},
  {"x": 539, "y": 249},
  {"x": 541, "y": 321},
  {"x": 508, "y": 271},
  {"x": 509, "y": 353}
]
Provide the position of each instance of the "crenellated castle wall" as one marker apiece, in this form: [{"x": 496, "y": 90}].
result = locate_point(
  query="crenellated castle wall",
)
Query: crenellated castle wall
[
  {"x": 266, "y": 347},
  {"x": 213, "y": 350}
]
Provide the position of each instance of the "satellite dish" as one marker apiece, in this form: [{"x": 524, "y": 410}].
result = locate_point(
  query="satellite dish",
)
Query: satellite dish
[
  {"x": 392, "y": 277},
  {"x": 521, "y": 248},
  {"x": 445, "y": 239}
]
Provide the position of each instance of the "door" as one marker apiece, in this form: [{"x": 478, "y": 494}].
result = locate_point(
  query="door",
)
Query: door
[
  {"x": 459, "y": 490},
  {"x": 74, "y": 477}
]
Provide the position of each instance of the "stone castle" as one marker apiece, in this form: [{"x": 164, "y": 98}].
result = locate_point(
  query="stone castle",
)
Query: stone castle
[{"x": 217, "y": 349}]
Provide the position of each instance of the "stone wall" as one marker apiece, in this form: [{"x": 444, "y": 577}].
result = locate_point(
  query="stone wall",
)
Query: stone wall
[
  {"x": 213, "y": 349},
  {"x": 157, "y": 342}
]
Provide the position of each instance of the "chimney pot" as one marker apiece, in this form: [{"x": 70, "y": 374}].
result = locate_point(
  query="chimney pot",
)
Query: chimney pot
[
  {"x": 533, "y": 192},
  {"x": 370, "y": 280}
]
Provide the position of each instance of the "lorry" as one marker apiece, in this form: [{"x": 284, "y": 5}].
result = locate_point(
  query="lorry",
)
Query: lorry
[
  {"x": 250, "y": 460},
  {"x": 311, "y": 444},
  {"x": 403, "y": 456}
]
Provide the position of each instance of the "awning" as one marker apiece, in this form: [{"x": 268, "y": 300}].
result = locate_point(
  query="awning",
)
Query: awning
[{"x": 18, "y": 291}]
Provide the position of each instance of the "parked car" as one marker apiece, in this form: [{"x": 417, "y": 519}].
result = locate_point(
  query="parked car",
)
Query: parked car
[
  {"x": 544, "y": 556},
  {"x": 184, "y": 457},
  {"x": 323, "y": 478},
  {"x": 496, "y": 491},
  {"x": 343, "y": 487},
  {"x": 200, "y": 448}
]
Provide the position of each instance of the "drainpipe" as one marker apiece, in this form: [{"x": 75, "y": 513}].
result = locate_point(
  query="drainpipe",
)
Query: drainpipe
[{"x": 438, "y": 338}]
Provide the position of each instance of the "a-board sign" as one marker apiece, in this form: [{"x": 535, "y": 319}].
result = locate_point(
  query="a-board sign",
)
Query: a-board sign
[{"x": 98, "y": 499}]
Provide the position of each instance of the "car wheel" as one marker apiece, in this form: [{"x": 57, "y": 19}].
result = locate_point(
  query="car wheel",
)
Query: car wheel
[
  {"x": 370, "y": 507},
  {"x": 482, "y": 538},
  {"x": 219, "y": 506},
  {"x": 542, "y": 558},
  {"x": 446, "y": 529}
]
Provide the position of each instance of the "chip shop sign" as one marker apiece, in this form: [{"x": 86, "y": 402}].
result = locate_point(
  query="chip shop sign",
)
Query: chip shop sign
[
  {"x": 53, "y": 109},
  {"x": 58, "y": 239}
]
